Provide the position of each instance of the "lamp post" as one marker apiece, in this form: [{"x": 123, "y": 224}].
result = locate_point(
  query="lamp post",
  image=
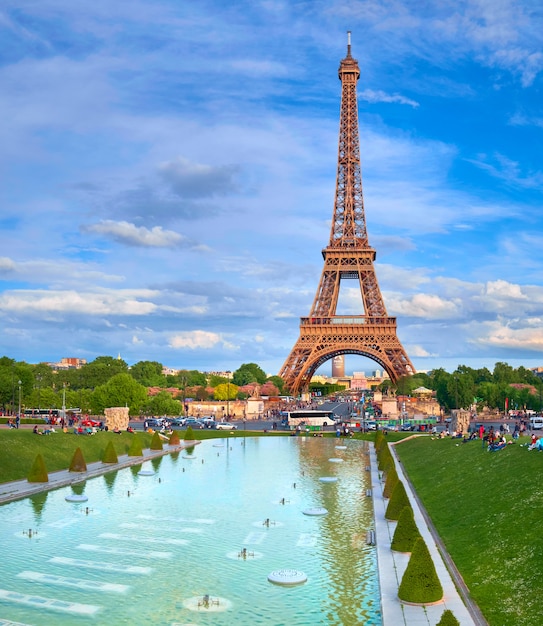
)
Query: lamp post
[
  {"x": 228, "y": 372},
  {"x": 19, "y": 413},
  {"x": 64, "y": 402}
]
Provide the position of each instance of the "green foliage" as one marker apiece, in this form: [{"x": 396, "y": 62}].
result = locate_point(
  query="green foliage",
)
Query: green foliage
[
  {"x": 406, "y": 532},
  {"x": 249, "y": 373},
  {"x": 38, "y": 471},
  {"x": 390, "y": 482},
  {"x": 448, "y": 619},
  {"x": 279, "y": 383},
  {"x": 398, "y": 500},
  {"x": 136, "y": 448},
  {"x": 156, "y": 442},
  {"x": 148, "y": 373},
  {"x": 189, "y": 434},
  {"x": 121, "y": 390},
  {"x": 174, "y": 438},
  {"x": 78, "y": 462},
  {"x": 191, "y": 378},
  {"x": 163, "y": 404},
  {"x": 110, "y": 455},
  {"x": 224, "y": 392},
  {"x": 384, "y": 458},
  {"x": 420, "y": 583}
]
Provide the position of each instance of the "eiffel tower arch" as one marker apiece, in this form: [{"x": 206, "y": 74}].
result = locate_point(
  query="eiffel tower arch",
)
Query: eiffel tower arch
[{"x": 323, "y": 334}]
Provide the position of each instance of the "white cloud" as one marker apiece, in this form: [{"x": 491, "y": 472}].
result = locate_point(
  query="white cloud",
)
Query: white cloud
[
  {"x": 195, "y": 339},
  {"x": 371, "y": 95},
  {"x": 196, "y": 180},
  {"x": 132, "y": 235}
]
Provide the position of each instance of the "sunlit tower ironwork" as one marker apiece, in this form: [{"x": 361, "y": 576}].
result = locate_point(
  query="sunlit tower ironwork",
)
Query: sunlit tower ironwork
[{"x": 324, "y": 335}]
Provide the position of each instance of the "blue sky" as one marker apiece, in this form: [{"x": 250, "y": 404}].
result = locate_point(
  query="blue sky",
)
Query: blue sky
[{"x": 168, "y": 174}]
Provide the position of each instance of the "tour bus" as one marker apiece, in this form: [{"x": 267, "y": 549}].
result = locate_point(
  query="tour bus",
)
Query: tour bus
[{"x": 309, "y": 419}]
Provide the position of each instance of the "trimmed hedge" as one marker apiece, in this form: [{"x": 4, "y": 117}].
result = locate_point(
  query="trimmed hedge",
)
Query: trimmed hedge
[
  {"x": 448, "y": 619},
  {"x": 398, "y": 500},
  {"x": 189, "y": 434},
  {"x": 78, "y": 463},
  {"x": 110, "y": 455},
  {"x": 174, "y": 439},
  {"x": 390, "y": 482},
  {"x": 406, "y": 533},
  {"x": 156, "y": 442},
  {"x": 38, "y": 471},
  {"x": 420, "y": 583},
  {"x": 136, "y": 448}
]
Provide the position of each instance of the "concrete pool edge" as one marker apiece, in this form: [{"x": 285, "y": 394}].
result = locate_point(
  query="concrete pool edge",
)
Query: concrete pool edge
[{"x": 20, "y": 489}]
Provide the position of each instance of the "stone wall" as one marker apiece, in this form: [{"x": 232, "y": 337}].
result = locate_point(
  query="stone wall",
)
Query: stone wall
[{"x": 117, "y": 417}]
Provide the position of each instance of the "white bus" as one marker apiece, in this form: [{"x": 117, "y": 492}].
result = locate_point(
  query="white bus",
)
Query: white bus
[{"x": 309, "y": 419}]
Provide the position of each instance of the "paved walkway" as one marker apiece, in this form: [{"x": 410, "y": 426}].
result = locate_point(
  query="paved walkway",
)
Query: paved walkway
[{"x": 392, "y": 564}]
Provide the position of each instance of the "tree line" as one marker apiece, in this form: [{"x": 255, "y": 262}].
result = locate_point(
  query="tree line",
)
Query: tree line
[{"x": 109, "y": 381}]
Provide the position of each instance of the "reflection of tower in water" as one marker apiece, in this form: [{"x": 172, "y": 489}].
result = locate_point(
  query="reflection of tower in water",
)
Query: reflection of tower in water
[
  {"x": 350, "y": 562},
  {"x": 338, "y": 366}
]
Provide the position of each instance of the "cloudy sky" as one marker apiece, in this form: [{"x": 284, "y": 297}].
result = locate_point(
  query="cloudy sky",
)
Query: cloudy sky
[{"x": 168, "y": 173}]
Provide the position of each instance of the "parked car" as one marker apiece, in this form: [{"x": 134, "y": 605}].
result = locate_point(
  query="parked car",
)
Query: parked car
[
  {"x": 178, "y": 421},
  {"x": 89, "y": 422},
  {"x": 225, "y": 426},
  {"x": 193, "y": 422},
  {"x": 155, "y": 422}
]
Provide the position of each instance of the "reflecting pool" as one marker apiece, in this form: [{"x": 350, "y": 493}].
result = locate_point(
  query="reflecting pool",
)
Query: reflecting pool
[{"x": 192, "y": 539}]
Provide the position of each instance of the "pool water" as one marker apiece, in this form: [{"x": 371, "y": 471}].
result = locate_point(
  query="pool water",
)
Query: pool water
[{"x": 193, "y": 539}]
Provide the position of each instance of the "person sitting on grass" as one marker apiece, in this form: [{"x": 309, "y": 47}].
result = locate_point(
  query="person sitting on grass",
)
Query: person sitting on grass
[{"x": 36, "y": 430}]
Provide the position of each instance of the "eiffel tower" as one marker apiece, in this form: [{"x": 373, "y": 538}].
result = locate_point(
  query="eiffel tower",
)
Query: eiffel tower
[{"x": 324, "y": 335}]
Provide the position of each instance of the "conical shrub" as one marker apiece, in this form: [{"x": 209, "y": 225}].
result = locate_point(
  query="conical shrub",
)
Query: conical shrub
[
  {"x": 398, "y": 500},
  {"x": 406, "y": 532},
  {"x": 156, "y": 441},
  {"x": 384, "y": 458},
  {"x": 448, "y": 619},
  {"x": 189, "y": 434},
  {"x": 38, "y": 471},
  {"x": 420, "y": 583},
  {"x": 390, "y": 482},
  {"x": 110, "y": 455},
  {"x": 174, "y": 439},
  {"x": 379, "y": 440},
  {"x": 78, "y": 463},
  {"x": 136, "y": 448}
]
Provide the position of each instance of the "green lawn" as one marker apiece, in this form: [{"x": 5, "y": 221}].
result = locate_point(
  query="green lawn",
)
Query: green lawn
[{"x": 488, "y": 509}]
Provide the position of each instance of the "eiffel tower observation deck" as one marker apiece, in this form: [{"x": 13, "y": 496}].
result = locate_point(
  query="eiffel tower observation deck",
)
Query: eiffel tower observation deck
[{"x": 323, "y": 334}]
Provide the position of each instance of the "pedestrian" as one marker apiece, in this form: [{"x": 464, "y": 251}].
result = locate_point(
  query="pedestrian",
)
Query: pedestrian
[{"x": 17, "y": 421}]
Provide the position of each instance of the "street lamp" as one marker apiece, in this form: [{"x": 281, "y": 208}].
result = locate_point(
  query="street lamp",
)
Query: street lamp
[
  {"x": 19, "y": 413},
  {"x": 228, "y": 372},
  {"x": 64, "y": 402}
]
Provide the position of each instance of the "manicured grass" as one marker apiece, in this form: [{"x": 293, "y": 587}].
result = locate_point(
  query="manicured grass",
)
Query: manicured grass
[
  {"x": 488, "y": 509},
  {"x": 18, "y": 449}
]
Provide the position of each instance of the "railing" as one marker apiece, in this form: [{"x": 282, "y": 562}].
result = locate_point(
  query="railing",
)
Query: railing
[{"x": 346, "y": 320}]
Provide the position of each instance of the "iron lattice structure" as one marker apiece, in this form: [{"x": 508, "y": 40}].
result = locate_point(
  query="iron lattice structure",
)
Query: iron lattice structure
[{"x": 324, "y": 335}]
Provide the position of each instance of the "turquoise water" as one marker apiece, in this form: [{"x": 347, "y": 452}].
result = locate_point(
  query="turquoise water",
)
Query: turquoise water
[{"x": 147, "y": 549}]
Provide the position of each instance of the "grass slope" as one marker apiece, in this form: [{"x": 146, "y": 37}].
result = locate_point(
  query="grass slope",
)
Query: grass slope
[{"x": 487, "y": 508}]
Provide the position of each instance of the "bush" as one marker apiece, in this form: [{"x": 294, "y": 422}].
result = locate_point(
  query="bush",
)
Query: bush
[
  {"x": 420, "y": 583},
  {"x": 406, "y": 533},
  {"x": 391, "y": 482},
  {"x": 174, "y": 439},
  {"x": 448, "y": 619},
  {"x": 384, "y": 458},
  {"x": 110, "y": 455},
  {"x": 156, "y": 441},
  {"x": 189, "y": 434},
  {"x": 135, "y": 449},
  {"x": 38, "y": 471},
  {"x": 398, "y": 500},
  {"x": 78, "y": 462}
]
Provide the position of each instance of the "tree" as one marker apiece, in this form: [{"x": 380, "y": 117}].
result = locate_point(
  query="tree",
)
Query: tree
[
  {"x": 191, "y": 378},
  {"x": 279, "y": 383},
  {"x": 99, "y": 371},
  {"x": 148, "y": 373},
  {"x": 249, "y": 373},
  {"x": 227, "y": 391},
  {"x": 163, "y": 404},
  {"x": 121, "y": 390}
]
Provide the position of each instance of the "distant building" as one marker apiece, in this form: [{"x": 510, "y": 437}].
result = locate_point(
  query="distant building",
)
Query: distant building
[{"x": 69, "y": 363}]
